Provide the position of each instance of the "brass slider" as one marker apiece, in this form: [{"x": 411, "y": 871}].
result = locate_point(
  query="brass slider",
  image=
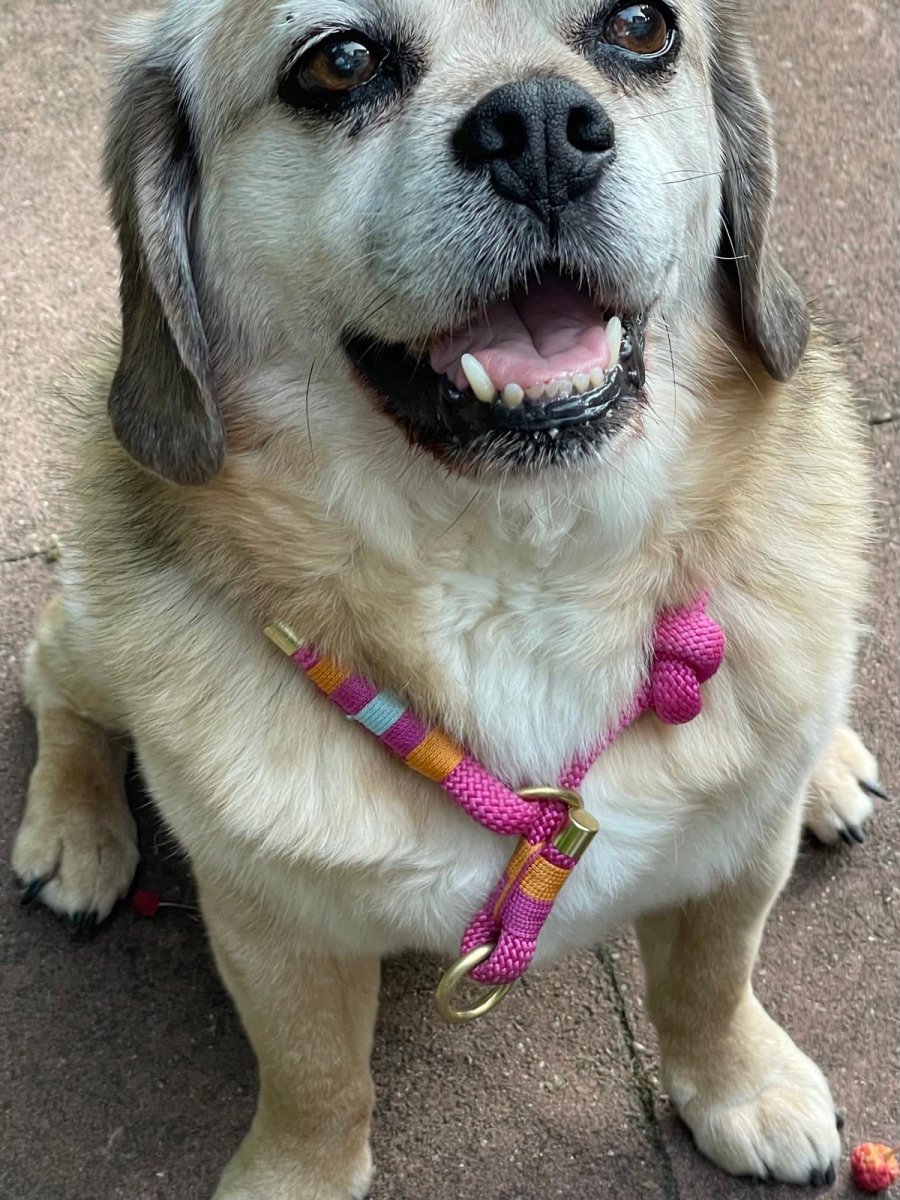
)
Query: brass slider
[
  {"x": 283, "y": 637},
  {"x": 451, "y": 980},
  {"x": 577, "y": 834},
  {"x": 580, "y": 828}
]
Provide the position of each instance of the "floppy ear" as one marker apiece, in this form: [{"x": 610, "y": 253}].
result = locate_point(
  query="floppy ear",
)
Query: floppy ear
[
  {"x": 771, "y": 307},
  {"x": 163, "y": 404}
]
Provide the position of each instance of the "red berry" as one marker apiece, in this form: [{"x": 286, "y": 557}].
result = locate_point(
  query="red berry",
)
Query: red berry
[
  {"x": 874, "y": 1167},
  {"x": 145, "y": 903}
]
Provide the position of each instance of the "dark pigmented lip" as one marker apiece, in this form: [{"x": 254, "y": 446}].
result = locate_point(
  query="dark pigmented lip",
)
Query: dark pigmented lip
[{"x": 471, "y": 436}]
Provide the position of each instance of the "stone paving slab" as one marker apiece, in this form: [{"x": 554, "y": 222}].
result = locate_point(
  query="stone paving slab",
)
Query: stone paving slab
[
  {"x": 58, "y": 266},
  {"x": 540, "y": 1103},
  {"x": 832, "y": 72}
]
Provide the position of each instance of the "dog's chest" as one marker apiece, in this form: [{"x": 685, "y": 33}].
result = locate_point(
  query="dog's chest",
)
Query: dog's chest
[
  {"x": 535, "y": 664},
  {"x": 534, "y": 667}
]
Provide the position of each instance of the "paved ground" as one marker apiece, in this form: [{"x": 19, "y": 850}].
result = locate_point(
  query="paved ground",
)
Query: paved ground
[{"x": 123, "y": 1072}]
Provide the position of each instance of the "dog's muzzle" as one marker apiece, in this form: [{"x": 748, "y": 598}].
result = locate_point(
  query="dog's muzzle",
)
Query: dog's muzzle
[{"x": 541, "y": 372}]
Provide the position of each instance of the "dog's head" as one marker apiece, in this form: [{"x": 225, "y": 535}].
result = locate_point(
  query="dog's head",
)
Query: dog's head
[{"x": 479, "y": 219}]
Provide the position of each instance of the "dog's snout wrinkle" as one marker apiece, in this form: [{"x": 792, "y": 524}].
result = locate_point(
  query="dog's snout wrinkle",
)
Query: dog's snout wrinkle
[{"x": 543, "y": 142}]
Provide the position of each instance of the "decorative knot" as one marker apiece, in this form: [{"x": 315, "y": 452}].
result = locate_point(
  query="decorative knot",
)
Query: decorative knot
[{"x": 688, "y": 649}]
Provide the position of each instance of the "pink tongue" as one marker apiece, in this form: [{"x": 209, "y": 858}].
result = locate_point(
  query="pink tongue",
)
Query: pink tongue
[{"x": 551, "y": 332}]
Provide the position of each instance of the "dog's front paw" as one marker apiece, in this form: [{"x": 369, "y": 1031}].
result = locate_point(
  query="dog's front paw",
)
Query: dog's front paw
[
  {"x": 263, "y": 1170},
  {"x": 839, "y": 800},
  {"x": 76, "y": 853},
  {"x": 764, "y": 1109}
]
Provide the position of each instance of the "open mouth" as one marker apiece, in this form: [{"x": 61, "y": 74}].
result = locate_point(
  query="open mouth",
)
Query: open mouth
[{"x": 540, "y": 375}]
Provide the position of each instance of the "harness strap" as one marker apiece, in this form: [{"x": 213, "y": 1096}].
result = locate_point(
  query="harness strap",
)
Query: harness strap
[{"x": 688, "y": 648}]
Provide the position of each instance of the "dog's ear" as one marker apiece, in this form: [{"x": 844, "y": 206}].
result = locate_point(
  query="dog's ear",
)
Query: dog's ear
[
  {"x": 162, "y": 404},
  {"x": 773, "y": 312}
]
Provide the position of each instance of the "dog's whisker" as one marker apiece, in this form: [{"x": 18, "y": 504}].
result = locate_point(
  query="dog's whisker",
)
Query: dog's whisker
[
  {"x": 699, "y": 106},
  {"x": 312, "y": 452},
  {"x": 704, "y": 175},
  {"x": 743, "y": 368},
  {"x": 672, "y": 360},
  {"x": 737, "y": 258},
  {"x": 455, "y": 522}
]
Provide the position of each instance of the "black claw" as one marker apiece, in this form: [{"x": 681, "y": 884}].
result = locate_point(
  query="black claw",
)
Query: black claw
[
  {"x": 817, "y": 1178},
  {"x": 844, "y": 835},
  {"x": 85, "y": 924},
  {"x": 856, "y": 833},
  {"x": 839, "y": 1121},
  {"x": 33, "y": 890},
  {"x": 873, "y": 789},
  {"x": 830, "y": 1176}
]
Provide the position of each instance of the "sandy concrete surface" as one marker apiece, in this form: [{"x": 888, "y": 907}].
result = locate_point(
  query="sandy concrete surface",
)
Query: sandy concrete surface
[{"x": 123, "y": 1071}]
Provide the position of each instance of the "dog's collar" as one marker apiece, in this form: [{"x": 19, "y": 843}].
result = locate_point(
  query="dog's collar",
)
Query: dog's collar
[{"x": 553, "y": 828}]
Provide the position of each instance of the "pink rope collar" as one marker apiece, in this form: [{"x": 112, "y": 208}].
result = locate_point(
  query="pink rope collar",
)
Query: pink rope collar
[{"x": 688, "y": 649}]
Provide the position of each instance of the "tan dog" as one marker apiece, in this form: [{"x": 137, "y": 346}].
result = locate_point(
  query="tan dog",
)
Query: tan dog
[{"x": 453, "y": 336}]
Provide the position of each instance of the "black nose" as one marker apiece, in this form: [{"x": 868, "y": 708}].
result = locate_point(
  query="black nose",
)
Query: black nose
[{"x": 544, "y": 142}]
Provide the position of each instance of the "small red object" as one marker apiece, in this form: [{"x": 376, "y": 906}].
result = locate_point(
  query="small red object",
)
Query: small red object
[
  {"x": 875, "y": 1166},
  {"x": 145, "y": 903}
]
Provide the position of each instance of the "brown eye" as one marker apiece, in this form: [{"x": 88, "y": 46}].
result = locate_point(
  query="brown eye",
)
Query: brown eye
[
  {"x": 639, "y": 29},
  {"x": 338, "y": 64}
]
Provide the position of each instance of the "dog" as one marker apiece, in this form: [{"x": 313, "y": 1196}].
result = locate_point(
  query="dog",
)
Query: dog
[{"x": 454, "y": 338}]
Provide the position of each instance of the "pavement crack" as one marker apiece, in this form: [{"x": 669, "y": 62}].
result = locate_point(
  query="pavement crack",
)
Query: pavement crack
[
  {"x": 49, "y": 553},
  {"x": 646, "y": 1094}
]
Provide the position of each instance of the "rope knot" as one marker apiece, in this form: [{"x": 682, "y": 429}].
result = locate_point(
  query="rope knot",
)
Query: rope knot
[{"x": 688, "y": 650}]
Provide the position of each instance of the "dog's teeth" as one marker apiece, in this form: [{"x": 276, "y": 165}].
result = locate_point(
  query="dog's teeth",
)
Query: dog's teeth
[
  {"x": 582, "y": 382},
  {"x": 536, "y": 392},
  {"x": 512, "y": 395},
  {"x": 614, "y": 337},
  {"x": 479, "y": 380},
  {"x": 564, "y": 387},
  {"x": 597, "y": 377},
  {"x": 551, "y": 389}
]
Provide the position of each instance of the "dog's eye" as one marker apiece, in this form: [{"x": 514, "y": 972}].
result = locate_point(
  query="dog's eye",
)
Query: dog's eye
[
  {"x": 349, "y": 76},
  {"x": 337, "y": 65},
  {"x": 639, "y": 29}
]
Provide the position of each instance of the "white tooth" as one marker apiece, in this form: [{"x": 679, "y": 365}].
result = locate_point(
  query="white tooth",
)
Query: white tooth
[
  {"x": 479, "y": 380},
  {"x": 614, "y": 337},
  {"x": 582, "y": 382},
  {"x": 512, "y": 395},
  {"x": 551, "y": 389},
  {"x": 536, "y": 392},
  {"x": 564, "y": 387},
  {"x": 597, "y": 377}
]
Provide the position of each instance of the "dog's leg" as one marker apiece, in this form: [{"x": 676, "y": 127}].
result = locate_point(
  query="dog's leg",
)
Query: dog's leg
[
  {"x": 755, "y": 1104},
  {"x": 76, "y": 849},
  {"x": 838, "y": 801},
  {"x": 310, "y": 1018}
]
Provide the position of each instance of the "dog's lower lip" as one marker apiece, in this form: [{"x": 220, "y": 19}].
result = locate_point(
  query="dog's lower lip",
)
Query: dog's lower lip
[
  {"x": 551, "y": 416},
  {"x": 472, "y": 435}
]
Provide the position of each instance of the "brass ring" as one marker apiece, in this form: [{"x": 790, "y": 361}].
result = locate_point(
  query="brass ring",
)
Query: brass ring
[
  {"x": 568, "y": 797},
  {"x": 454, "y": 976}
]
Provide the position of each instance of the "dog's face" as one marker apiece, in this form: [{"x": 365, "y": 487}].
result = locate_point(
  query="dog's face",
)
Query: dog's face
[{"x": 491, "y": 216}]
